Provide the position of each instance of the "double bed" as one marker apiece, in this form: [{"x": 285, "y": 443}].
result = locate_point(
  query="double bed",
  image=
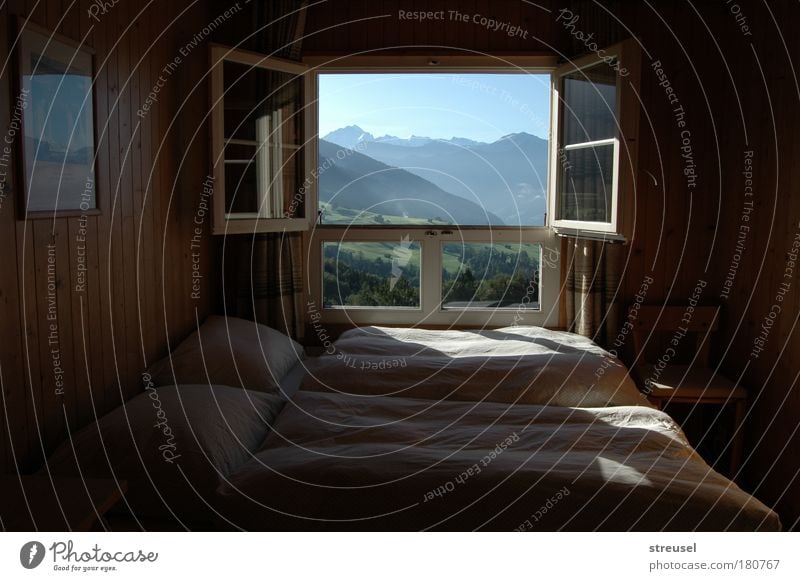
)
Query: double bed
[{"x": 519, "y": 428}]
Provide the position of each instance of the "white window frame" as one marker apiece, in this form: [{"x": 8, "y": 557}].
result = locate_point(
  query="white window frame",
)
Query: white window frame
[
  {"x": 431, "y": 238},
  {"x": 268, "y": 217},
  {"x": 628, "y": 57},
  {"x": 431, "y": 312}
]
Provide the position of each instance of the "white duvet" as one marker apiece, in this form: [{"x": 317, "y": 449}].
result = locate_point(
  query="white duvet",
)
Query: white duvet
[
  {"x": 342, "y": 462},
  {"x": 515, "y": 364}
]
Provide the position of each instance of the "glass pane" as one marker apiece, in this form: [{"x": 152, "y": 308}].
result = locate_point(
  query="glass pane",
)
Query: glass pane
[
  {"x": 490, "y": 276},
  {"x": 586, "y": 183},
  {"x": 589, "y": 104},
  {"x": 433, "y": 149},
  {"x": 58, "y": 126},
  {"x": 371, "y": 274},
  {"x": 240, "y": 179},
  {"x": 263, "y": 123},
  {"x": 252, "y": 93}
]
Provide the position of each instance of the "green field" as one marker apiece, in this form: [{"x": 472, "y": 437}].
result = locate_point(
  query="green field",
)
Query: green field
[
  {"x": 452, "y": 254},
  {"x": 372, "y": 251}
]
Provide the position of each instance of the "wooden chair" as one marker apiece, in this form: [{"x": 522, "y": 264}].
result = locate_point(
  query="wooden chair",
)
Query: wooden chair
[{"x": 665, "y": 381}]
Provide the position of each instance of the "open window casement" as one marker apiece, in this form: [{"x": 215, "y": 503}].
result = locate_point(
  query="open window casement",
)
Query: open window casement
[
  {"x": 594, "y": 140},
  {"x": 260, "y": 128}
]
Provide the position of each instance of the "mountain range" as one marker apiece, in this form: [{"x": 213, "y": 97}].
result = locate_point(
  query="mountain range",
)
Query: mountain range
[
  {"x": 352, "y": 135},
  {"x": 507, "y": 177}
]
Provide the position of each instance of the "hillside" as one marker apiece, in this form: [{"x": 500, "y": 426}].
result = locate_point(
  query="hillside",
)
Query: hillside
[{"x": 386, "y": 194}]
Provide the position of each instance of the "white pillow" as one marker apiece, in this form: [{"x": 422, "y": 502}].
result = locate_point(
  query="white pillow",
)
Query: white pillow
[
  {"x": 172, "y": 445},
  {"x": 230, "y": 351}
]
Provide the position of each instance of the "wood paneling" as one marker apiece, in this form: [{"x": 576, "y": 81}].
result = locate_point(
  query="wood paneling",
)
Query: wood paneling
[
  {"x": 352, "y": 27},
  {"x": 765, "y": 78},
  {"x": 149, "y": 170}
]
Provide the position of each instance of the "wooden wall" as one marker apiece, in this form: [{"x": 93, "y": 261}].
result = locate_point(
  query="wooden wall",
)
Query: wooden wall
[
  {"x": 149, "y": 172},
  {"x": 726, "y": 77},
  {"x": 739, "y": 89},
  {"x": 765, "y": 78}
]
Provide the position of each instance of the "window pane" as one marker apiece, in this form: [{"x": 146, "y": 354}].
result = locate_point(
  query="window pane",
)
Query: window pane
[
  {"x": 371, "y": 274},
  {"x": 240, "y": 179},
  {"x": 262, "y": 124},
  {"x": 489, "y": 276},
  {"x": 589, "y": 104},
  {"x": 586, "y": 183},
  {"x": 433, "y": 149},
  {"x": 252, "y": 93}
]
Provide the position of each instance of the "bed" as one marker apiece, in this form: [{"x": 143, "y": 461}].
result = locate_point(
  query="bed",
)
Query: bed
[{"x": 401, "y": 429}]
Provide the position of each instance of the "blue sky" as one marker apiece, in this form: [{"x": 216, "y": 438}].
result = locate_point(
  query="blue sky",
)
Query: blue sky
[{"x": 483, "y": 107}]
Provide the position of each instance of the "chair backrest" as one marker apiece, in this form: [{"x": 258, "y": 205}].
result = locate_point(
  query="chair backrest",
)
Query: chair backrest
[{"x": 700, "y": 321}]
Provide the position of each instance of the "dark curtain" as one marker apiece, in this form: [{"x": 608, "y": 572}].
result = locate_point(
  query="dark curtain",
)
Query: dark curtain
[
  {"x": 281, "y": 24},
  {"x": 271, "y": 27},
  {"x": 593, "y": 275},
  {"x": 264, "y": 278}
]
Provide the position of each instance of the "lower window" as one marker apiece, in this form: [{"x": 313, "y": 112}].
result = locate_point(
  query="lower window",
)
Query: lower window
[
  {"x": 490, "y": 276},
  {"x": 435, "y": 278},
  {"x": 371, "y": 274}
]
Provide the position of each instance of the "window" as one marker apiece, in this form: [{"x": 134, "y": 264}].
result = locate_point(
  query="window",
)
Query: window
[
  {"x": 431, "y": 194},
  {"x": 371, "y": 274},
  {"x": 590, "y": 96},
  {"x": 259, "y": 126},
  {"x": 432, "y": 197},
  {"x": 490, "y": 276}
]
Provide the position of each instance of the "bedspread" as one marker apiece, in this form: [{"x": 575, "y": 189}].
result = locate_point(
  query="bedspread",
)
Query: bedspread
[{"x": 391, "y": 463}]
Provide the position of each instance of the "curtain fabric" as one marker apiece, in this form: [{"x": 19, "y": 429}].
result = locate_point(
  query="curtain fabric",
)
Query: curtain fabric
[
  {"x": 592, "y": 282},
  {"x": 267, "y": 270}
]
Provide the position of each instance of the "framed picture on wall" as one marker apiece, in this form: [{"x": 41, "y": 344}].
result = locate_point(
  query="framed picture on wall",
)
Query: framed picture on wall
[{"x": 56, "y": 145}]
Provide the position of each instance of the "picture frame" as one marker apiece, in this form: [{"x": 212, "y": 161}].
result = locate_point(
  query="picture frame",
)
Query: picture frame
[{"x": 54, "y": 98}]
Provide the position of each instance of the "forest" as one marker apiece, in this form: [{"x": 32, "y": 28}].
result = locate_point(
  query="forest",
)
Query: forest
[{"x": 384, "y": 274}]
